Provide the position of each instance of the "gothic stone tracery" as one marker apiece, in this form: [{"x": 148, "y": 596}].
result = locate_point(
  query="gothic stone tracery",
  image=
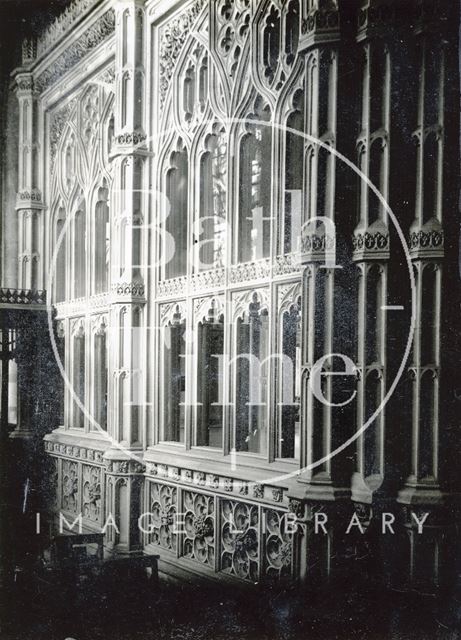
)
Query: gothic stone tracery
[{"x": 235, "y": 118}]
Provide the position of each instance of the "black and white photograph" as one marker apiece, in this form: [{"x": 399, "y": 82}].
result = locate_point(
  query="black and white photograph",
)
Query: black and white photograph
[{"x": 230, "y": 320}]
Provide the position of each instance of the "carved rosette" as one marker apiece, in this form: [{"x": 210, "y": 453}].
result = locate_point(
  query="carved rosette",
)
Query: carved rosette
[
  {"x": 163, "y": 507},
  {"x": 278, "y": 545},
  {"x": 240, "y": 540},
  {"x": 364, "y": 514},
  {"x": 199, "y": 543},
  {"x": 297, "y": 507}
]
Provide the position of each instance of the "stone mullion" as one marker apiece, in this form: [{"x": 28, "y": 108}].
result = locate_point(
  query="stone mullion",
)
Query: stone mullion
[
  {"x": 308, "y": 296},
  {"x": 127, "y": 284},
  {"x": 29, "y": 200},
  {"x": 371, "y": 238},
  {"x": 361, "y": 325},
  {"x": 321, "y": 124},
  {"x": 433, "y": 247},
  {"x": 427, "y": 257},
  {"x": 29, "y": 208},
  {"x": 320, "y": 489}
]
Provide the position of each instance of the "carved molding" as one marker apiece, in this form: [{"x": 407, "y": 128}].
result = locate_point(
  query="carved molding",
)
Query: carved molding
[
  {"x": 131, "y": 290},
  {"x": 62, "y": 25},
  {"x": 74, "y": 451},
  {"x": 427, "y": 242},
  {"x": 22, "y": 296},
  {"x": 370, "y": 244},
  {"x": 287, "y": 265},
  {"x": 174, "y": 286},
  {"x": 29, "y": 196},
  {"x": 248, "y": 271},
  {"x": 172, "y": 38},
  {"x": 133, "y": 138},
  {"x": 320, "y": 26},
  {"x": 97, "y": 33},
  {"x": 317, "y": 247},
  {"x": 80, "y": 306},
  {"x": 24, "y": 83},
  {"x": 125, "y": 467},
  {"x": 223, "y": 484}
]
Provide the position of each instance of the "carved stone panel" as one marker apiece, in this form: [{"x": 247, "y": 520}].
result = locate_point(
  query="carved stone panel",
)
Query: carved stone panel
[
  {"x": 70, "y": 489},
  {"x": 199, "y": 522},
  {"x": 240, "y": 540},
  {"x": 163, "y": 507},
  {"x": 278, "y": 545},
  {"x": 91, "y": 493}
]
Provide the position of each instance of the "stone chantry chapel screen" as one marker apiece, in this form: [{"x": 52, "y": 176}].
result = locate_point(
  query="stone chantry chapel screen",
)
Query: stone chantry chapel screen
[{"x": 236, "y": 232}]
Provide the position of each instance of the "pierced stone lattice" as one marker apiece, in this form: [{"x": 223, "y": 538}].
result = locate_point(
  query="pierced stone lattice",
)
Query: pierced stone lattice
[
  {"x": 70, "y": 496},
  {"x": 90, "y": 113},
  {"x": 163, "y": 509},
  {"x": 240, "y": 540},
  {"x": 278, "y": 545},
  {"x": 91, "y": 495},
  {"x": 199, "y": 519},
  {"x": 172, "y": 39},
  {"x": 233, "y": 27},
  {"x": 58, "y": 122}
]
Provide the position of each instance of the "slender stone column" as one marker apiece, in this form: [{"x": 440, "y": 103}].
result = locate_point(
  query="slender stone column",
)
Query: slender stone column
[
  {"x": 372, "y": 243},
  {"x": 29, "y": 203},
  {"x": 433, "y": 241},
  {"x": 30, "y": 215},
  {"x": 126, "y": 374},
  {"x": 323, "y": 483},
  {"x": 319, "y": 244}
]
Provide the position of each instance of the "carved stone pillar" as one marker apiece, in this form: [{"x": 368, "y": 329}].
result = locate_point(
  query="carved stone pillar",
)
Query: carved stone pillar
[
  {"x": 318, "y": 251},
  {"x": 433, "y": 245},
  {"x": 371, "y": 243},
  {"x": 29, "y": 203},
  {"x": 323, "y": 482},
  {"x": 123, "y": 505},
  {"x": 126, "y": 360}
]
